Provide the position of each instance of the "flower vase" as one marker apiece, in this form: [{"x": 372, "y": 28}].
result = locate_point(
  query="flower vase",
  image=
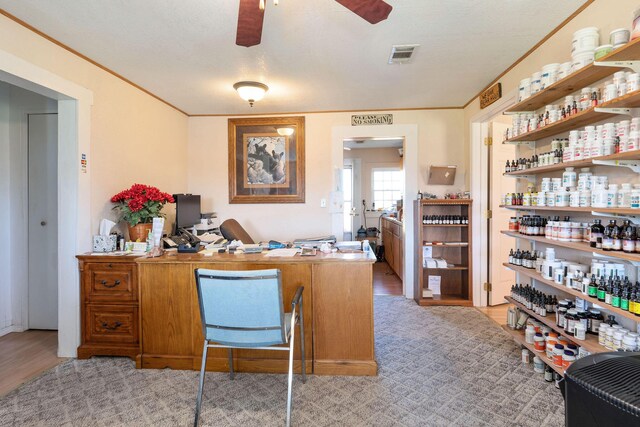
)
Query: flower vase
[{"x": 139, "y": 232}]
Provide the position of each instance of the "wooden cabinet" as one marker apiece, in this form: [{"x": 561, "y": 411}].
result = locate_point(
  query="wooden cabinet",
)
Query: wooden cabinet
[
  {"x": 393, "y": 241},
  {"x": 448, "y": 241},
  {"x": 109, "y": 308}
]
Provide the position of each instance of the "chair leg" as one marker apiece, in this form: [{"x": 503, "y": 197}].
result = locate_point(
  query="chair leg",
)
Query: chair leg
[
  {"x": 291, "y": 347},
  {"x": 304, "y": 365},
  {"x": 231, "y": 372},
  {"x": 201, "y": 385}
]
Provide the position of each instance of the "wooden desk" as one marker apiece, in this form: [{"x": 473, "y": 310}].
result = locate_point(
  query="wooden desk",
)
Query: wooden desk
[{"x": 338, "y": 313}]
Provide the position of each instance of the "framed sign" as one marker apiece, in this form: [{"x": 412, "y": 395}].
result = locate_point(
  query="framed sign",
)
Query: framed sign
[
  {"x": 490, "y": 95},
  {"x": 266, "y": 160}
]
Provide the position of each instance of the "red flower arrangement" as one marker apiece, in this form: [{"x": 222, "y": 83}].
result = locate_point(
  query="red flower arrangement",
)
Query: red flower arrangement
[{"x": 140, "y": 204}]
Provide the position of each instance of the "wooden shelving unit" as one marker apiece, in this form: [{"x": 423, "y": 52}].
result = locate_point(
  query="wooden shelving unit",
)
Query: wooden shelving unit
[
  {"x": 581, "y": 78},
  {"x": 579, "y": 246},
  {"x": 627, "y": 155},
  {"x": 538, "y": 277},
  {"x": 455, "y": 280},
  {"x": 590, "y": 343},
  {"x": 518, "y": 336},
  {"x": 609, "y": 110},
  {"x": 612, "y": 211}
]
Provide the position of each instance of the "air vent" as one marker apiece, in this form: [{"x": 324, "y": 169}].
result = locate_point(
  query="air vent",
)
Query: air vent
[{"x": 401, "y": 54}]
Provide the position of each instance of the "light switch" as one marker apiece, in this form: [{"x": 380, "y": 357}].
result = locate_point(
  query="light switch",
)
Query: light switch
[{"x": 323, "y": 203}]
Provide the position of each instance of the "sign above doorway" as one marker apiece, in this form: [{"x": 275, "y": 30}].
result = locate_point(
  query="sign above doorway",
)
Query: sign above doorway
[{"x": 371, "y": 119}]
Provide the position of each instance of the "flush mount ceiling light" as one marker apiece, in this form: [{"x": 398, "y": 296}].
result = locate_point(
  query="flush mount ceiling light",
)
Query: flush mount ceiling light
[
  {"x": 251, "y": 91},
  {"x": 285, "y": 131}
]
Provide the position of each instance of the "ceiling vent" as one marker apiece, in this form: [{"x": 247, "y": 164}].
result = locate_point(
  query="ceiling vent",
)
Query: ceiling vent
[{"x": 402, "y": 54}]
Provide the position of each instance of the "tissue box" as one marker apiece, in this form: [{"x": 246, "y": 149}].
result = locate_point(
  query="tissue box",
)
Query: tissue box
[{"x": 104, "y": 243}]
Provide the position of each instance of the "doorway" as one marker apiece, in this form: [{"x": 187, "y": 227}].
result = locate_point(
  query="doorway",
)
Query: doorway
[
  {"x": 500, "y": 278},
  {"x": 373, "y": 189},
  {"x": 74, "y": 214}
]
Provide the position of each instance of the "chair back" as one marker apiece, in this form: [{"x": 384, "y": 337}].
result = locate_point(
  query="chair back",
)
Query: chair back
[
  {"x": 241, "y": 308},
  {"x": 232, "y": 230}
]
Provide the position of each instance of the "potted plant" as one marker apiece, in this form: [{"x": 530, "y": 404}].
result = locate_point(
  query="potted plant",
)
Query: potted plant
[{"x": 138, "y": 206}]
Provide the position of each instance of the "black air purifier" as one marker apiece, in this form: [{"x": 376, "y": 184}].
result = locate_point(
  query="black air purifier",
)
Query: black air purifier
[{"x": 603, "y": 390}]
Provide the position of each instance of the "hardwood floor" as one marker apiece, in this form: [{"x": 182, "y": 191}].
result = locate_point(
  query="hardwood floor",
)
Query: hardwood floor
[
  {"x": 385, "y": 281},
  {"x": 25, "y": 355},
  {"x": 498, "y": 313}
]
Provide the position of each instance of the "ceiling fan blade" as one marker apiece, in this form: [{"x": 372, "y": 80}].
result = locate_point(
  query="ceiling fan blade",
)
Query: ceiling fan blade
[
  {"x": 250, "y": 19},
  {"x": 372, "y": 11}
]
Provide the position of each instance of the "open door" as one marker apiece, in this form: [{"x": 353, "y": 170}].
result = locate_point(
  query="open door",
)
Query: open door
[{"x": 501, "y": 279}]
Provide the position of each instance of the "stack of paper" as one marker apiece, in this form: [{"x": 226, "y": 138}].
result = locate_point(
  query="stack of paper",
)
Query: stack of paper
[{"x": 434, "y": 263}]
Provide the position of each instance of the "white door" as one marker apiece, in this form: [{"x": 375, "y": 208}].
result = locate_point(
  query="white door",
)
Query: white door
[
  {"x": 43, "y": 221},
  {"x": 347, "y": 192},
  {"x": 500, "y": 278},
  {"x": 358, "y": 214}
]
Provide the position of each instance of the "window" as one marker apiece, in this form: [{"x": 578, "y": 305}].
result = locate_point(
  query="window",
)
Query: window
[{"x": 387, "y": 187}]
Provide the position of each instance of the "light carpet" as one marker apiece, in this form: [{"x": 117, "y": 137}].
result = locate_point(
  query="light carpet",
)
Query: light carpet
[{"x": 438, "y": 366}]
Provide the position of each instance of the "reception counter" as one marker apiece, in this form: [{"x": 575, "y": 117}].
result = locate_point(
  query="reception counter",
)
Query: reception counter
[{"x": 338, "y": 312}]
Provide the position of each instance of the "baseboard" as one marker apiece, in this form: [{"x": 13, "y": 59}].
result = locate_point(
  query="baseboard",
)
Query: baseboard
[
  {"x": 9, "y": 329},
  {"x": 345, "y": 367}
]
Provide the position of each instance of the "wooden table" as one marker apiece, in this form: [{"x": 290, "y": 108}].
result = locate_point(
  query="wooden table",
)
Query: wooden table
[{"x": 338, "y": 312}]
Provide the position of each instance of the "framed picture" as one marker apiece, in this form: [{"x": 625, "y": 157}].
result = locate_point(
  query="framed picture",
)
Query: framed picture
[{"x": 266, "y": 160}]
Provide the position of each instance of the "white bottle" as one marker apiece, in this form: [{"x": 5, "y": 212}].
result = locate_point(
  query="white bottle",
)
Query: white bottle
[
  {"x": 624, "y": 196},
  {"x": 569, "y": 178},
  {"x": 635, "y": 196},
  {"x": 563, "y": 197},
  {"x": 612, "y": 196},
  {"x": 599, "y": 196}
]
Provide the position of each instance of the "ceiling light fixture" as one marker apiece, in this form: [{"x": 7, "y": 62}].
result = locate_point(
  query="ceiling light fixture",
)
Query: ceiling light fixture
[
  {"x": 251, "y": 91},
  {"x": 285, "y": 131}
]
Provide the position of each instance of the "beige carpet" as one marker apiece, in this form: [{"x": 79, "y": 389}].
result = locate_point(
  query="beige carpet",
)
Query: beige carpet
[{"x": 439, "y": 366}]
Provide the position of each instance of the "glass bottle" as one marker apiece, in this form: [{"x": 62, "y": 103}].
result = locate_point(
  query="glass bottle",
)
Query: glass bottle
[
  {"x": 592, "y": 290},
  {"x": 628, "y": 237},
  {"x": 597, "y": 231},
  {"x": 607, "y": 239}
]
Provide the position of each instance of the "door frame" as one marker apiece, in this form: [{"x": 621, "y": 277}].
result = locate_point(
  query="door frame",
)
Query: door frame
[
  {"x": 479, "y": 182},
  {"x": 411, "y": 177},
  {"x": 74, "y": 184}
]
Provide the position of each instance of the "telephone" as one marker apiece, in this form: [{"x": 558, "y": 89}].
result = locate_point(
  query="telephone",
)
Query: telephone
[{"x": 185, "y": 238}]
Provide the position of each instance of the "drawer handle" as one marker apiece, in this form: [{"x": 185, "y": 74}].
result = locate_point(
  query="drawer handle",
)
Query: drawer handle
[
  {"x": 113, "y": 327},
  {"x": 116, "y": 283}
]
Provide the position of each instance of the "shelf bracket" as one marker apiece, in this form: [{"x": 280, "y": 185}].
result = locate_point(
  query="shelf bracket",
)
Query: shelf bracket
[
  {"x": 530, "y": 144},
  {"x": 612, "y": 258},
  {"x": 631, "y": 218},
  {"x": 634, "y": 165},
  {"x": 634, "y": 65},
  {"x": 623, "y": 111}
]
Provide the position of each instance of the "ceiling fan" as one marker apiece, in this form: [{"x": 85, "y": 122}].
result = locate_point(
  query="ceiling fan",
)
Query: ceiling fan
[{"x": 251, "y": 16}]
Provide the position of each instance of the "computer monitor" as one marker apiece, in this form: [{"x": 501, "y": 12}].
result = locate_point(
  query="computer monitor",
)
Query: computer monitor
[{"x": 187, "y": 210}]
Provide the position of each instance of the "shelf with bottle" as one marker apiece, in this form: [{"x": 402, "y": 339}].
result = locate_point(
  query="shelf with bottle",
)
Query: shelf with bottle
[
  {"x": 519, "y": 337},
  {"x": 586, "y": 210},
  {"x": 532, "y": 273},
  {"x": 581, "y": 118},
  {"x": 626, "y": 155},
  {"x": 579, "y": 79},
  {"x": 590, "y": 343},
  {"x": 580, "y": 246},
  {"x": 445, "y": 221}
]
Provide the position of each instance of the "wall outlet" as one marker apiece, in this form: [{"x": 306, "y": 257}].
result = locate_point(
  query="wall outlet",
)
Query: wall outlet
[{"x": 323, "y": 203}]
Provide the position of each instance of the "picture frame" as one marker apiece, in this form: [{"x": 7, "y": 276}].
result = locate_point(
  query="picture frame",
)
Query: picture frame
[{"x": 266, "y": 160}]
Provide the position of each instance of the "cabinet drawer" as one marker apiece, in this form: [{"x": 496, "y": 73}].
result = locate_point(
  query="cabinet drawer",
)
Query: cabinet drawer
[
  {"x": 111, "y": 324},
  {"x": 111, "y": 282}
]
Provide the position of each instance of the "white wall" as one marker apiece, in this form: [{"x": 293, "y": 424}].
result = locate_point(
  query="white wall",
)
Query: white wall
[
  {"x": 440, "y": 140},
  {"x": 13, "y": 190},
  {"x": 6, "y": 319}
]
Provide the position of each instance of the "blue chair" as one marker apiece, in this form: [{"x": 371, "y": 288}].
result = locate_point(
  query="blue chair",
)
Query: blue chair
[{"x": 244, "y": 309}]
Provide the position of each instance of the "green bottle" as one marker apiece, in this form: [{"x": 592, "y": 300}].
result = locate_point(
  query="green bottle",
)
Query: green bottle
[
  {"x": 624, "y": 299},
  {"x": 602, "y": 291},
  {"x": 592, "y": 289},
  {"x": 616, "y": 295}
]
